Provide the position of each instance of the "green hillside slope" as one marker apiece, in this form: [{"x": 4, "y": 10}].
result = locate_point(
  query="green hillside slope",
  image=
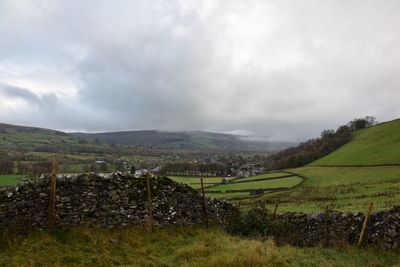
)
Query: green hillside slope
[
  {"x": 379, "y": 144},
  {"x": 339, "y": 185}
]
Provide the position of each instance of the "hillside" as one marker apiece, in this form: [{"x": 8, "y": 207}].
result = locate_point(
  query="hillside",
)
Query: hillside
[
  {"x": 27, "y": 139},
  {"x": 192, "y": 140},
  {"x": 22, "y": 138},
  {"x": 339, "y": 185},
  {"x": 379, "y": 144}
]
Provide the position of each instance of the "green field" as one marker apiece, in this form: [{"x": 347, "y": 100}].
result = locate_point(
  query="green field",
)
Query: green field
[
  {"x": 194, "y": 182},
  {"x": 324, "y": 176},
  {"x": 216, "y": 186},
  {"x": 376, "y": 145},
  {"x": 266, "y": 175},
  {"x": 10, "y": 179},
  {"x": 284, "y": 182},
  {"x": 172, "y": 246},
  {"x": 345, "y": 188},
  {"x": 349, "y": 188}
]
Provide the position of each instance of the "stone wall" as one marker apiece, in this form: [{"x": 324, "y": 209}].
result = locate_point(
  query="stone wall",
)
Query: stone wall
[
  {"x": 330, "y": 227},
  {"x": 100, "y": 201}
]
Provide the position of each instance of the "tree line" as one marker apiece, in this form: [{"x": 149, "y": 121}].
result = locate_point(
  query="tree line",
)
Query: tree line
[{"x": 193, "y": 169}]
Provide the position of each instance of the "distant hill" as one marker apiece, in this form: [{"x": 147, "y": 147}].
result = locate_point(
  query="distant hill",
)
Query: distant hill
[
  {"x": 379, "y": 144},
  {"x": 23, "y": 138},
  {"x": 191, "y": 140}
]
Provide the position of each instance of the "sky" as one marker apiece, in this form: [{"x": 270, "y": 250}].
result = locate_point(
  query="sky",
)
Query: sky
[{"x": 277, "y": 70}]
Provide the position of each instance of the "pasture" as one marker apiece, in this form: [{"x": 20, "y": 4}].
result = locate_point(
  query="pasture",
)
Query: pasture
[
  {"x": 212, "y": 184},
  {"x": 376, "y": 145},
  {"x": 344, "y": 188},
  {"x": 10, "y": 179}
]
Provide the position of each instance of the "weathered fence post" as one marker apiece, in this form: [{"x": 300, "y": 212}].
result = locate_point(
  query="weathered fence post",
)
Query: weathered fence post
[
  {"x": 364, "y": 227},
  {"x": 52, "y": 202},
  {"x": 205, "y": 212},
  {"x": 276, "y": 208},
  {"x": 149, "y": 222},
  {"x": 262, "y": 205}
]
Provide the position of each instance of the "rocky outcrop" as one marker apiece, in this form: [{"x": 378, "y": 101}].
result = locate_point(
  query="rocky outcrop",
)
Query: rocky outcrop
[{"x": 108, "y": 201}]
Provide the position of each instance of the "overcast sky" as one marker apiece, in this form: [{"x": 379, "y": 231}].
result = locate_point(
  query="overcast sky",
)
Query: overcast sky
[{"x": 281, "y": 69}]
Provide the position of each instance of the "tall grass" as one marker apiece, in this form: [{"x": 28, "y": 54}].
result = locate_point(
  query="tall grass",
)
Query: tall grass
[{"x": 175, "y": 246}]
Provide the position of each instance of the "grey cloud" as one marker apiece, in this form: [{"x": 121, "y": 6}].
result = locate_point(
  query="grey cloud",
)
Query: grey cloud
[
  {"x": 284, "y": 70},
  {"x": 45, "y": 101}
]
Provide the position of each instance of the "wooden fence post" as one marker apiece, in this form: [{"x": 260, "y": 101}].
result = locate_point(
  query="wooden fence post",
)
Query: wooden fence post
[
  {"x": 205, "y": 212},
  {"x": 364, "y": 227},
  {"x": 262, "y": 205},
  {"x": 52, "y": 202},
  {"x": 276, "y": 208},
  {"x": 149, "y": 223}
]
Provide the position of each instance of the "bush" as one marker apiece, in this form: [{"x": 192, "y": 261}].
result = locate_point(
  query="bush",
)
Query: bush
[{"x": 258, "y": 223}]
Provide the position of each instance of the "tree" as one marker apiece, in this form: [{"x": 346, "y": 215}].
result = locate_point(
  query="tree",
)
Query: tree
[
  {"x": 133, "y": 169},
  {"x": 22, "y": 168},
  {"x": 40, "y": 168},
  {"x": 103, "y": 167},
  {"x": 6, "y": 167}
]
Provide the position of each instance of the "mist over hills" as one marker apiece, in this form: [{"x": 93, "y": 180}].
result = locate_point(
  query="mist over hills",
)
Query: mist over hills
[
  {"x": 34, "y": 138},
  {"x": 188, "y": 140}
]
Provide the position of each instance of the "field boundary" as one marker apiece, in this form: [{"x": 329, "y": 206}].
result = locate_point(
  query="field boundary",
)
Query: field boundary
[
  {"x": 353, "y": 166},
  {"x": 264, "y": 179}
]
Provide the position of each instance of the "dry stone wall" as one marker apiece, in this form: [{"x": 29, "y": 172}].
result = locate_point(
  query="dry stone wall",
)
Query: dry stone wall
[
  {"x": 108, "y": 201},
  {"x": 330, "y": 227}
]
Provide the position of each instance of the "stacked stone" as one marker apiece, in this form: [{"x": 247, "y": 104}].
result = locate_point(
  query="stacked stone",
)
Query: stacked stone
[
  {"x": 108, "y": 201},
  {"x": 332, "y": 227}
]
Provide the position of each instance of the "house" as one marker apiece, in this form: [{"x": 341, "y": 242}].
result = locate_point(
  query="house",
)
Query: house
[
  {"x": 225, "y": 181},
  {"x": 157, "y": 169}
]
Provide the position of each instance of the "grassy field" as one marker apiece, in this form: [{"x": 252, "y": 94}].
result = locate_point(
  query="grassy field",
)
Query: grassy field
[
  {"x": 194, "y": 182},
  {"x": 349, "y": 188},
  {"x": 284, "y": 182},
  {"x": 346, "y": 189},
  {"x": 175, "y": 246},
  {"x": 266, "y": 175},
  {"x": 376, "y": 145},
  {"x": 324, "y": 176},
  {"x": 10, "y": 179}
]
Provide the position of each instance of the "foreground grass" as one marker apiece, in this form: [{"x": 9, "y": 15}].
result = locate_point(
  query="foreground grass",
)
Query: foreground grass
[
  {"x": 345, "y": 189},
  {"x": 177, "y": 246},
  {"x": 10, "y": 179}
]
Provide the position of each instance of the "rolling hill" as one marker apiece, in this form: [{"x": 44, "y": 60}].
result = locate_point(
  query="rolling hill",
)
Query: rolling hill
[
  {"x": 191, "y": 140},
  {"x": 379, "y": 144},
  {"x": 345, "y": 180},
  {"x": 22, "y": 138},
  {"x": 27, "y": 139}
]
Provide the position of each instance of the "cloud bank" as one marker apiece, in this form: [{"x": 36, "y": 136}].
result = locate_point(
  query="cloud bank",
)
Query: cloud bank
[{"x": 283, "y": 70}]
